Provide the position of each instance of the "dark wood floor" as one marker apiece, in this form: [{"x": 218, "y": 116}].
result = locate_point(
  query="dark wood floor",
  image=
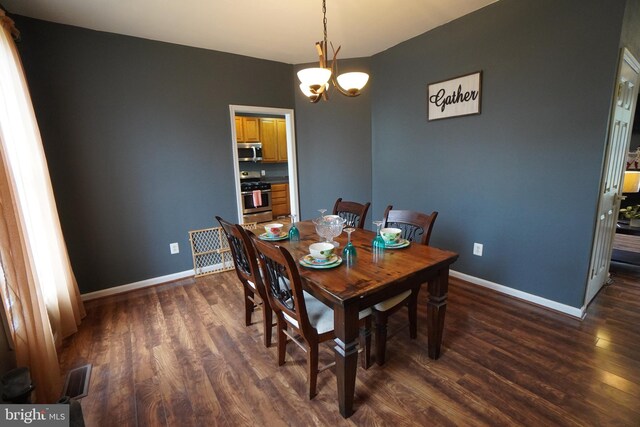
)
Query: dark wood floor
[{"x": 180, "y": 355}]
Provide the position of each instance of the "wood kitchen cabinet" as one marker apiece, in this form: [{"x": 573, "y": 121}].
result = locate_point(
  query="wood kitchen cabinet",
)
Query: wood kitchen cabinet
[
  {"x": 247, "y": 129},
  {"x": 281, "y": 138},
  {"x": 273, "y": 135},
  {"x": 280, "y": 200}
]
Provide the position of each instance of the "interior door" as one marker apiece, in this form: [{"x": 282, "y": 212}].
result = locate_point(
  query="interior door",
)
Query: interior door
[{"x": 611, "y": 190}]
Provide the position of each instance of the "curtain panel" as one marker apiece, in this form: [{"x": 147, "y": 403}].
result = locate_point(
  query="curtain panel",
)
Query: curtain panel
[{"x": 39, "y": 290}]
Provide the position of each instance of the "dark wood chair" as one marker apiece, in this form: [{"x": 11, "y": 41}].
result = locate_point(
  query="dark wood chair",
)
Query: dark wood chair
[
  {"x": 416, "y": 227},
  {"x": 308, "y": 317},
  {"x": 355, "y": 213},
  {"x": 248, "y": 271}
]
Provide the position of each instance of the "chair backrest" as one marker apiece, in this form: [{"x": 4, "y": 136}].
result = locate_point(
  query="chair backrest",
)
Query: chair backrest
[
  {"x": 283, "y": 283},
  {"x": 415, "y": 226},
  {"x": 355, "y": 213},
  {"x": 244, "y": 255}
]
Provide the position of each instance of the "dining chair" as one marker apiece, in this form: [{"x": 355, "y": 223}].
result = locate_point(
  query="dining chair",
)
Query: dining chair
[
  {"x": 353, "y": 212},
  {"x": 416, "y": 227},
  {"x": 248, "y": 271},
  {"x": 308, "y": 317}
]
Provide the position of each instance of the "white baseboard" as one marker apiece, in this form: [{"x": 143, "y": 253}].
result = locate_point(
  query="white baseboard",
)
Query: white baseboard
[
  {"x": 136, "y": 285},
  {"x": 563, "y": 308}
]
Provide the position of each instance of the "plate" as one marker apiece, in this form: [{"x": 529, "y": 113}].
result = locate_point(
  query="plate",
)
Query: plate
[
  {"x": 403, "y": 243},
  {"x": 309, "y": 261},
  {"x": 282, "y": 236}
]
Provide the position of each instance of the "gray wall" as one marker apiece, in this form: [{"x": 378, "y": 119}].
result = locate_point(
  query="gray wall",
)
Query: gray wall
[
  {"x": 138, "y": 140},
  {"x": 137, "y": 133},
  {"x": 631, "y": 28},
  {"x": 522, "y": 177},
  {"x": 334, "y": 145}
]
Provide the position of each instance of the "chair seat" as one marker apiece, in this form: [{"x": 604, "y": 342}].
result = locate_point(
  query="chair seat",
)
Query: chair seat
[
  {"x": 253, "y": 285},
  {"x": 320, "y": 315},
  {"x": 392, "y": 302}
]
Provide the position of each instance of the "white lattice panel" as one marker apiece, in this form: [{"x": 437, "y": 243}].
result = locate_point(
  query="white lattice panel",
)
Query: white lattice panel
[{"x": 210, "y": 250}]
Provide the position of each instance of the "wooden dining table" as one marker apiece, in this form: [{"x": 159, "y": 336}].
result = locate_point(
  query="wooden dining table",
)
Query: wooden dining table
[{"x": 371, "y": 277}]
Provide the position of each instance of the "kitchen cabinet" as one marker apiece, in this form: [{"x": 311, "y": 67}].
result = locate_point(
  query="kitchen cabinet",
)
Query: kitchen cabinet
[
  {"x": 247, "y": 129},
  {"x": 281, "y": 138},
  {"x": 280, "y": 200},
  {"x": 273, "y": 135}
]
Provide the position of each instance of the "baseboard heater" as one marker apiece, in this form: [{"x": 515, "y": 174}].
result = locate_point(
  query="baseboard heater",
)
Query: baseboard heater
[{"x": 77, "y": 384}]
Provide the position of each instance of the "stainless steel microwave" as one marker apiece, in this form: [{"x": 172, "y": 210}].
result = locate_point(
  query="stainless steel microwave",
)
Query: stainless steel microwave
[{"x": 250, "y": 151}]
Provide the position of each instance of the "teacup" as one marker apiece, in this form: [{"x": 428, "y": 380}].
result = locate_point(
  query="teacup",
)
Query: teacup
[
  {"x": 391, "y": 235},
  {"x": 321, "y": 251},
  {"x": 273, "y": 230}
]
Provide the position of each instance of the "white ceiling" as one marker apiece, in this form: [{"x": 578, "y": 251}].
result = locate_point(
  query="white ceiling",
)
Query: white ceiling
[{"x": 279, "y": 30}]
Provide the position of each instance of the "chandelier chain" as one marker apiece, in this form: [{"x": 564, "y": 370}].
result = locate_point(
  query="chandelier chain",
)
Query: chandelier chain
[{"x": 324, "y": 21}]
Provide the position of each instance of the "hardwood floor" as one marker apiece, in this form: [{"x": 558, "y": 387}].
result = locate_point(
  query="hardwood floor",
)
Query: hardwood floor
[
  {"x": 625, "y": 242},
  {"x": 180, "y": 355}
]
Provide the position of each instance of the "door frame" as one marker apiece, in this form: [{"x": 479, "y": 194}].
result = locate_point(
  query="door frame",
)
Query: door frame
[{"x": 291, "y": 151}]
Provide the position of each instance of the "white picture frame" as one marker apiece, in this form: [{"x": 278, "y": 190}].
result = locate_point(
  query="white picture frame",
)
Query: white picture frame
[{"x": 460, "y": 96}]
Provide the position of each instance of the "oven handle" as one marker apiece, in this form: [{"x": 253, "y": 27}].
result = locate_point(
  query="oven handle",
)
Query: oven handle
[{"x": 247, "y": 193}]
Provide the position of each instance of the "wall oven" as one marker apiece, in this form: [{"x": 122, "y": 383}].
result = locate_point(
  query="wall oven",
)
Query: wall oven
[
  {"x": 249, "y": 151},
  {"x": 256, "y": 198}
]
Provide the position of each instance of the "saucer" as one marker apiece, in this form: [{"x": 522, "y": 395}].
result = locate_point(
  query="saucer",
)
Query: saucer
[
  {"x": 403, "y": 243},
  {"x": 311, "y": 262},
  {"x": 309, "y": 259},
  {"x": 282, "y": 236}
]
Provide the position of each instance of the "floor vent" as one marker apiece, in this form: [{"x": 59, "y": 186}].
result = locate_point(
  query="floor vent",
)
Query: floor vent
[{"x": 77, "y": 384}]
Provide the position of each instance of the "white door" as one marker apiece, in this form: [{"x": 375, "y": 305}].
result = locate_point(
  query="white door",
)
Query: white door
[{"x": 611, "y": 190}]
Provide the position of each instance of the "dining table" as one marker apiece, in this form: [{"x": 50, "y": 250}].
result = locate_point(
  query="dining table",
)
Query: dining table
[{"x": 372, "y": 276}]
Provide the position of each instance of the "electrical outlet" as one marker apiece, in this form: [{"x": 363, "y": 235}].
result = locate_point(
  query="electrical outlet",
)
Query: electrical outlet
[
  {"x": 263, "y": 172},
  {"x": 477, "y": 249},
  {"x": 174, "y": 248}
]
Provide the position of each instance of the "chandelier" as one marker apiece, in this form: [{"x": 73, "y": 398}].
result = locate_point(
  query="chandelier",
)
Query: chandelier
[{"x": 314, "y": 82}]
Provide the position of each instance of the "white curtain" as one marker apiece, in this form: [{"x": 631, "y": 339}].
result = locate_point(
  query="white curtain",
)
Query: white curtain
[{"x": 39, "y": 289}]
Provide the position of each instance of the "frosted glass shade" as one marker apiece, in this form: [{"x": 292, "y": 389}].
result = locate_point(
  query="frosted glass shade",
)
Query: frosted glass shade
[
  {"x": 631, "y": 183},
  {"x": 307, "y": 92},
  {"x": 314, "y": 77},
  {"x": 353, "y": 82}
]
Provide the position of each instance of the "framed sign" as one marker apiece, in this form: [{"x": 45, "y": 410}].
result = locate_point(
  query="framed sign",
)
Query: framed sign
[{"x": 455, "y": 97}]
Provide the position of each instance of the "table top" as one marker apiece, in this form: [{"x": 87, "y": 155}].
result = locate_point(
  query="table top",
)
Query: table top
[
  {"x": 371, "y": 276},
  {"x": 623, "y": 227}
]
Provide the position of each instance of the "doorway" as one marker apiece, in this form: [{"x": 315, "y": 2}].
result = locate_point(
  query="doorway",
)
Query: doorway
[
  {"x": 622, "y": 112},
  {"x": 292, "y": 169}
]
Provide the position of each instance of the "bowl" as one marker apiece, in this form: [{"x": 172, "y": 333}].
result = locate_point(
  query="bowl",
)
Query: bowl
[
  {"x": 273, "y": 230},
  {"x": 390, "y": 234},
  {"x": 329, "y": 226},
  {"x": 321, "y": 251}
]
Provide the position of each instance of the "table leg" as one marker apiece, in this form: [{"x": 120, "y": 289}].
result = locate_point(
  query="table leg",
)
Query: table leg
[
  {"x": 346, "y": 350},
  {"x": 436, "y": 309}
]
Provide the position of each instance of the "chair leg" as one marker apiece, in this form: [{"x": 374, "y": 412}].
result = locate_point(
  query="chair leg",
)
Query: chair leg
[
  {"x": 248, "y": 308},
  {"x": 381, "y": 337},
  {"x": 365, "y": 342},
  {"x": 282, "y": 340},
  {"x": 312, "y": 369},
  {"x": 267, "y": 320},
  {"x": 413, "y": 313}
]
